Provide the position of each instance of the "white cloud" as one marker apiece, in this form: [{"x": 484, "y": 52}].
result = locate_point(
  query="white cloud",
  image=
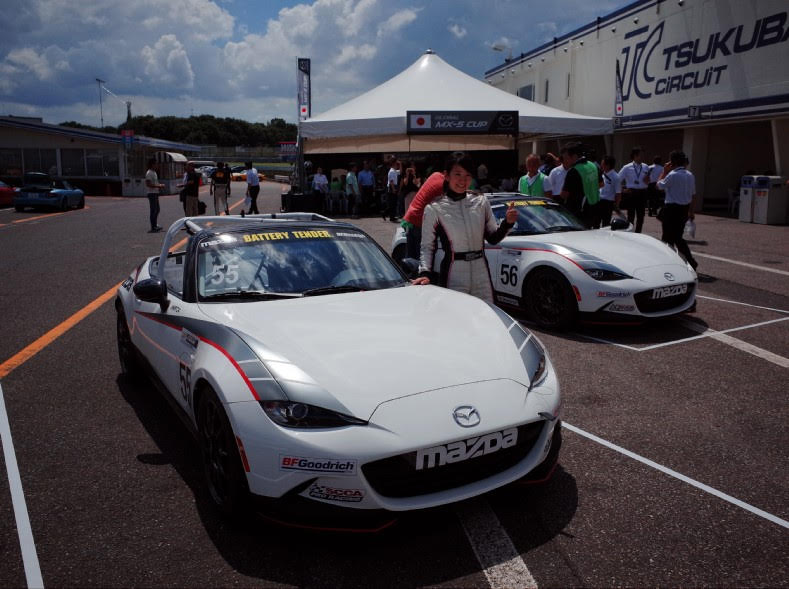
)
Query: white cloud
[
  {"x": 458, "y": 31},
  {"x": 350, "y": 53},
  {"x": 30, "y": 60},
  {"x": 167, "y": 63},
  {"x": 547, "y": 27},
  {"x": 397, "y": 21}
]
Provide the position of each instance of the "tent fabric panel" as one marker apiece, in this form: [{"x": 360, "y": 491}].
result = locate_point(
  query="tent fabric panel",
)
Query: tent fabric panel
[{"x": 401, "y": 143}]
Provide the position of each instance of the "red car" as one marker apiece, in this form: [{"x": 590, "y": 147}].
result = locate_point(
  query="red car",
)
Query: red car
[{"x": 6, "y": 194}]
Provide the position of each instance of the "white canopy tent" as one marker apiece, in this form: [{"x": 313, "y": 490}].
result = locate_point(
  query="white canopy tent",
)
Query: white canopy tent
[{"x": 376, "y": 120}]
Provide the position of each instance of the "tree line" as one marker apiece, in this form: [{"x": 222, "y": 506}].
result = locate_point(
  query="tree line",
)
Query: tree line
[{"x": 204, "y": 130}]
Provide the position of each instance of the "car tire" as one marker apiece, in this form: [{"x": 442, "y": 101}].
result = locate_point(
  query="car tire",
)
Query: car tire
[
  {"x": 127, "y": 353},
  {"x": 549, "y": 300},
  {"x": 222, "y": 468},
  {"x": 81, "y": 203},
  {"x": 19, "y": 208},
  {"x": 64, "y": 204}
]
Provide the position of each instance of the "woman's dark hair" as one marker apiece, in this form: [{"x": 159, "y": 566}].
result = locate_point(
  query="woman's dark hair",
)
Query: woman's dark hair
[
  {"x": 462, "y": 160},
  {"x": 678, "y": 158}
]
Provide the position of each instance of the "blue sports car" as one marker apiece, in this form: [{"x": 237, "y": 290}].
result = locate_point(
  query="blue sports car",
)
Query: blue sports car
[{"x": 40, "y": 190}]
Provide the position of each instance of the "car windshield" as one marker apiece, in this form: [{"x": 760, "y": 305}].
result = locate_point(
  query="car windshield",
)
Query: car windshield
[
  {"x": 283, "y": 262},
  {"x": 537, "y": 216}
]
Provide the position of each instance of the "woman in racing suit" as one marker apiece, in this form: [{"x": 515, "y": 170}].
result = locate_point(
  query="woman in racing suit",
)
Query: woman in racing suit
[{"x": 461, "y": 222}]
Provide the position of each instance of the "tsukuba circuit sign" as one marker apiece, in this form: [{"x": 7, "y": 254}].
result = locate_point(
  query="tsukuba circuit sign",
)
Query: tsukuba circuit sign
[{"x": 467, "y": 122}]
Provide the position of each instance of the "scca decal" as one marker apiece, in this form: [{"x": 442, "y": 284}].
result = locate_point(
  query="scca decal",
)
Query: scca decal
[
  {"x": 335, "y": 494},
  {"x": 322, "y": 465}
]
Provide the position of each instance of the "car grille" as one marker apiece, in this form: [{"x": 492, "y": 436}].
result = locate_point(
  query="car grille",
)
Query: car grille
[
  {"x": 397, "y": 476},
  {"x": 647, "y": 304}
]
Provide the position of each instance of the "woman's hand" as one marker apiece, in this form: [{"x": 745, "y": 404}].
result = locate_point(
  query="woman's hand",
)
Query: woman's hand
[
  {"x": 511, "y": 215},
  {"x": 421, "y": 280}
]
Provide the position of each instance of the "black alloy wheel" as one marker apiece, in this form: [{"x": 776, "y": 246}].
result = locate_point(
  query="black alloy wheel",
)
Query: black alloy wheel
[
  {"x": 549, "y": 299},
  {"x": 222, "y": 467},
  {"x": 127, "y": 354}
]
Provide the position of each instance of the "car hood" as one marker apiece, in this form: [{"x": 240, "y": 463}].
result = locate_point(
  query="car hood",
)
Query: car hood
[
  {"x": 354, "y": 351},
  {"x": 628, "y": 252}
]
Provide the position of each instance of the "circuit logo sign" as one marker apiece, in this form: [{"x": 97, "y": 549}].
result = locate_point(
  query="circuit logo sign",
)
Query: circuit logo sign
[{"x": 648, "y": 66}]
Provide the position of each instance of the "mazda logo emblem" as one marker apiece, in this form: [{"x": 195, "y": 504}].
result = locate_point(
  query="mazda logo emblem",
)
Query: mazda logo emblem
[
  {"x": 466, "y": 416},
  {"x": 668, "y": 276}
]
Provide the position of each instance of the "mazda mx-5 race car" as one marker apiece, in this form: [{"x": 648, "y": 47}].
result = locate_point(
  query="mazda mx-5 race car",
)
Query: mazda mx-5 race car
[
  {"x": 314, "y": 374},
  {"x": 557, "y": 271}
]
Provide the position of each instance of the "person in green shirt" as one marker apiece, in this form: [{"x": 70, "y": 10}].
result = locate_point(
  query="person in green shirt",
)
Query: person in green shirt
[
  {"x": 581, "y": 190},
  {"x": 532, "y": 183}
]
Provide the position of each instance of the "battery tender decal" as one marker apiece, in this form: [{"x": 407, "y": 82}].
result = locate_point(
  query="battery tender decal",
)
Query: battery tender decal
[{"x": 287, "y": 235}]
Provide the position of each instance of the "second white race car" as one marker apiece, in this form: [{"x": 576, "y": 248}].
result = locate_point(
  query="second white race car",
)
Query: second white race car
[{"x": 556, "y": 270}]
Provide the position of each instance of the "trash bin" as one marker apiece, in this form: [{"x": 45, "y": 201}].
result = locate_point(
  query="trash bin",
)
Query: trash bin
[
  {"x": 769, "y": 200},
  {"x": 746, "y": 198}
]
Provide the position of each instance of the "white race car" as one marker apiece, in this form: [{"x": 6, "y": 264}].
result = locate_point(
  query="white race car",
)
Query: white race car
[
  {"x": 313, "y": 373},
  {"x": 554, "y": 269}
]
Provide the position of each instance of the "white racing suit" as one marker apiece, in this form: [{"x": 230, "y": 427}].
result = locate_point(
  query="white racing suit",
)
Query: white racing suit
[{"x": 460, "y": 226}]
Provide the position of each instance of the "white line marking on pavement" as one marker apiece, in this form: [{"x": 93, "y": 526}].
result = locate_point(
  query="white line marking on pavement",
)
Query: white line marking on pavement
[
  {"x": 711, "y": 333},
  {"x": 26, "y": 543},
  {"x": 746, "y": 264},
  {"x": 706, "y": 488},
  {"x": 500, "y": 560},
  {"x": 698, "y": 296},
  {"x": 739, "y": 344}
]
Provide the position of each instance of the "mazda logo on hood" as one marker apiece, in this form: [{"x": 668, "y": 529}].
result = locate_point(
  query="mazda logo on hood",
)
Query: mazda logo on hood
[
  {"x": 668, "y": 276},
  {"x": 466, "y": 416}
]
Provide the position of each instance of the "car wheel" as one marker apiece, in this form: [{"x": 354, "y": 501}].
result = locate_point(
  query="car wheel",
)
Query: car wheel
[
  {"x": 64, "y": 204},
  {"x": 19, "y": 208},
  {"x": 127, "y": 354},
  {"x": 549, "y": 299},
  {"x": 222, "y": 467},
  {"x": 81, "y": 203}
]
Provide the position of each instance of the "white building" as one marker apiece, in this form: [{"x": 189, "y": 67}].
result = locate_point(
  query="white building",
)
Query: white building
[{"x": 710, "y": 77}]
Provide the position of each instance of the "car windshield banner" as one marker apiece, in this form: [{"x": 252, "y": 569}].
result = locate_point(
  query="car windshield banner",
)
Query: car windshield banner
[{"x": 464, "y": 122}]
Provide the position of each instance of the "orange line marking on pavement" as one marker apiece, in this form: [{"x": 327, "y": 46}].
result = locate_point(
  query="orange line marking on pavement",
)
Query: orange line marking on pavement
[{"x": 34, "y": 348}]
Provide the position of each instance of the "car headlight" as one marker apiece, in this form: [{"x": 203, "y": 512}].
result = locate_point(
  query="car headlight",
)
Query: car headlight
[
  {"x": 533, "y": 356},
  {"x": 301, "y": 415},
  {"x": 605, "y": 275}
]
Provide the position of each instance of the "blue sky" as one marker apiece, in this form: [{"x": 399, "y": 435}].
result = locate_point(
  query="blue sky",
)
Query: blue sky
[{"x": 237, "y": 58}]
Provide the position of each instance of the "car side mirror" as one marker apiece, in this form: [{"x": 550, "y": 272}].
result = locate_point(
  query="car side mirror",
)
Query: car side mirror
[
  {"x": 619, "y": 224},
  {"x": 152, "y": 290},
  {"x": 410, "y": 266}
]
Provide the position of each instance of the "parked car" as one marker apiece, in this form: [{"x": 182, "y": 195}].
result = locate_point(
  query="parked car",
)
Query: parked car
[
  {"x": 6, "y": 194},
  {"x": 242, "y": 176},
  {"x": 316, "y": 378},
  {"x": 41, "y": 191},
  {"x": 556, "y": 270}
]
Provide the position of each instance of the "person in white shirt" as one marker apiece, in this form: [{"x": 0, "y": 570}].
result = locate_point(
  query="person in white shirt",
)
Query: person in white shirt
[
  {"x": 555, "y": 181},
  {"x": 611, "y": 192},
  {"x": 392, "y": 188},
  {"x": 253, "y": 189},
  {"x": 635, "y": 178},
  {"x": 653, "y": 194},
  {"x": 680, "y": 187},
  {"x": 152, "y": 188},
  {"x": 320, "y": 188}
]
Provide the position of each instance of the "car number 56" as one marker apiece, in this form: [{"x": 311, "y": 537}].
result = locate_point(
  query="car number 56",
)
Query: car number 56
[{"x": 509, "y": 275}]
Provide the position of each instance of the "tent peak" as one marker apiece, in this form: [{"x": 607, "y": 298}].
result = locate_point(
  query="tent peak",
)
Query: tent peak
[{"x": 430, "y": 52}]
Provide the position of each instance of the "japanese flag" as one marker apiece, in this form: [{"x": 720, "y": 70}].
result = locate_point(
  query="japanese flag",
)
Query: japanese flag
[{"x": 420, "y": 121}]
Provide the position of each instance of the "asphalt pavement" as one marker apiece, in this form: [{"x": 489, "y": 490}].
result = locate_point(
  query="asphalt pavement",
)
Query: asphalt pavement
[{"x": 673, "y": 470}]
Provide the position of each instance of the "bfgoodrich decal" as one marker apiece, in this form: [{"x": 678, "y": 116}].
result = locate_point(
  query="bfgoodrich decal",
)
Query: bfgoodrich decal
[{"x": 320, "y": 465}]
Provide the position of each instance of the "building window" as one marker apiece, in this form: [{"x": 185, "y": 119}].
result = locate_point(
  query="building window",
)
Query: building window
[
  {"x": 72, "y": 161},
  {"x": 40, "y": 160},
  {"x": 526, "y": 92},
  {"x": 11, "y": 163},
  {"x": 546, "y": 92},
  {"x": 102, "y": 162}
]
